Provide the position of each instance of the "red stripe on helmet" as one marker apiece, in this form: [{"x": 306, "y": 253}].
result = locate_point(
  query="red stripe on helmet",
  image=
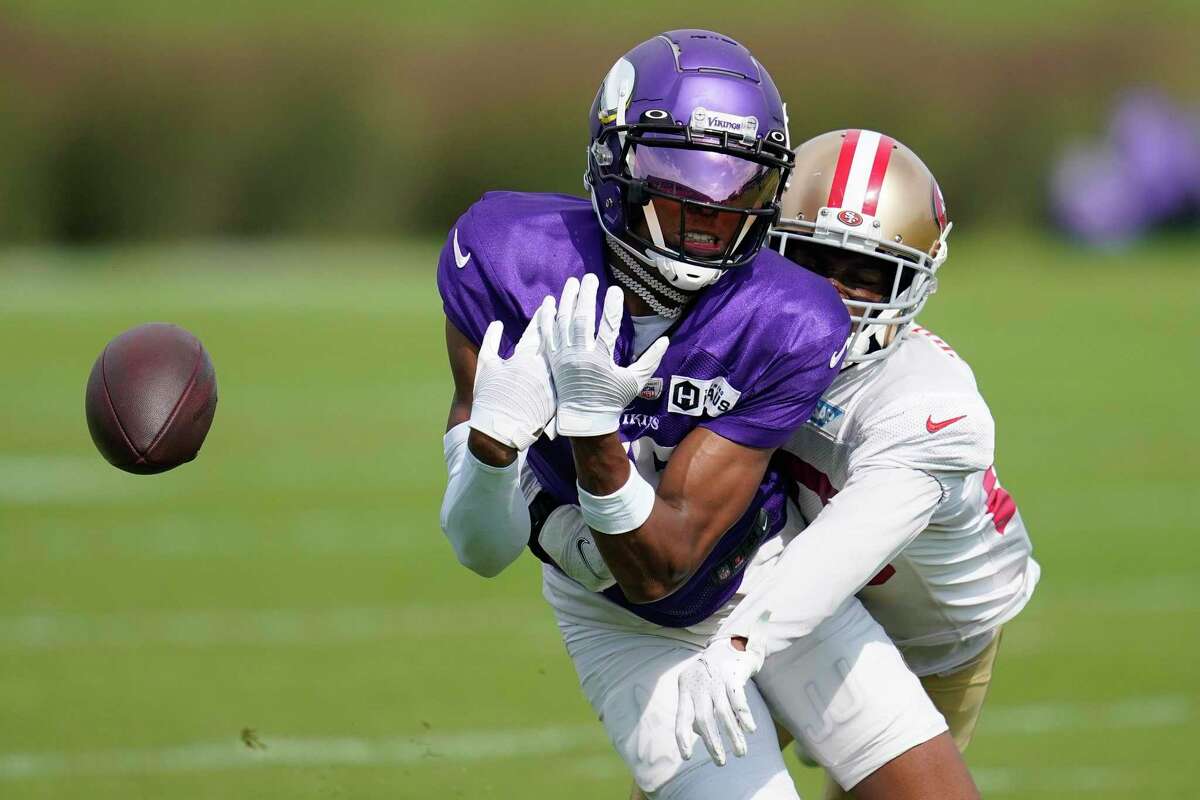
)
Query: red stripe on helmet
[
  {"x": 837, "y": 191},
  {"x": 883, "y": 154},
  {"x": 939, "y": 206}
]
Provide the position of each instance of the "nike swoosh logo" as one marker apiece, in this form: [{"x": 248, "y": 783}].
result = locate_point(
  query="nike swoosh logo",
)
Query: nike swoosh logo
[
  {"x": 579, "y": 545},
  {"x": 934, "y": 427},
  {"x": 460, "y": 258},
  {"x": 833, "y": 362}
]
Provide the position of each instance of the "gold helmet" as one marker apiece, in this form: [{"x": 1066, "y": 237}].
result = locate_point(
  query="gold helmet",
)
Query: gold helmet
[{"x": 865, "y": 193}]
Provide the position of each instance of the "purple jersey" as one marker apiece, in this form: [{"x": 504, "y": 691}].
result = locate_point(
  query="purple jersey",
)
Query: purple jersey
[{"x": 748, "y": 359}]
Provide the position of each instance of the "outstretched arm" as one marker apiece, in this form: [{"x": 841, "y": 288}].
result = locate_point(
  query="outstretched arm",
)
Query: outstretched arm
[
  {"x": 491, "y": 422},
  {"x": 875, "y": 516}
]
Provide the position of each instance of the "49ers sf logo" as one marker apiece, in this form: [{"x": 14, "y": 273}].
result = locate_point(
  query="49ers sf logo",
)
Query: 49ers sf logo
[{"x": 848, "y": 217}]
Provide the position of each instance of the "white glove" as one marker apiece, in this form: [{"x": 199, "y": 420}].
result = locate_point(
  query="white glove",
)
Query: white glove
[
  {"x": 592, "y": 389},
  {"x": 567, "y": 539},
  {"x": 514, "y": 399},
  {"x": 712, "y": 699}
]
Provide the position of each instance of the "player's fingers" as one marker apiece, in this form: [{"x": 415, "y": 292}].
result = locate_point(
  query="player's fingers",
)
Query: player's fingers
[
  {"x": 490, "y": 346},
  {"x": 531, "y": 339},
  {"x": 546, "y": 325},
  {"x": 706, "y": 726},
  {"x": 741, "y": 707},
  {"x": 610, "y": 323},
  {"x": 685, "y": 716},
  {"x": 729, "y": 724},
  {"x": 566, "y": 310},
  {"x": 583, "y": 326},
  {"x": 646, "y": 366},
  {"x": 545, "y": 312}
]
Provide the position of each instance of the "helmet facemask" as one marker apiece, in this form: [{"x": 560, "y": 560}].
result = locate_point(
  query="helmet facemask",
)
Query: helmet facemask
[
  {"x": 688, "y": 155},
  {"x": 694, "y": 203},
  {"x": 869, "y": 215},
  {"x": 884, "y": 285}
]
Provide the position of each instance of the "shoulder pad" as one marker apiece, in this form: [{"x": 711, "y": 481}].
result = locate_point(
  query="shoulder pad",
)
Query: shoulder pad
[{"x": 508, "y": 252}]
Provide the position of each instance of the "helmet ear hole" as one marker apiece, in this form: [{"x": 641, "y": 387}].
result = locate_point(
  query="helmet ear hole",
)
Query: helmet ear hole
[
  {"x": 656, "y": 115},
  {"x": 606, "y": 199}
]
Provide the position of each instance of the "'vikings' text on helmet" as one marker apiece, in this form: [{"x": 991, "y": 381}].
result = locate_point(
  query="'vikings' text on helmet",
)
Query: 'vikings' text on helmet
[
  {"x": 871, "y": 197},
  {"x": 688, "y": 156}
]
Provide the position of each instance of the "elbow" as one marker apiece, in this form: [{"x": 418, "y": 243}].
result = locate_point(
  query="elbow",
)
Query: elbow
[
  {"x": 477, "y": 552},
  {"x": 481, "y": 567},
  {"x": 480, "y": 561}
]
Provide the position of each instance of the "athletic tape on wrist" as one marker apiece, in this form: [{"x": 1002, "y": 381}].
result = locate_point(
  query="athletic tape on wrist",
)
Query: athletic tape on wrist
[{"x": 622, "y": 511}]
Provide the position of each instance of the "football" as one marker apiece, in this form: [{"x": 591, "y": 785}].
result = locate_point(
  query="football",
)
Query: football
[{"x": 150, "y": 398}]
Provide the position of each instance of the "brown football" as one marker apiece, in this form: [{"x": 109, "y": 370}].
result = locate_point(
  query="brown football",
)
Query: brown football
[{"x": 151, "y": 398}]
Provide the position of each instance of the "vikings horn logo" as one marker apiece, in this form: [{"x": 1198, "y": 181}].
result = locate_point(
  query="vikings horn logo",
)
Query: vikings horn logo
[{"x": 616, "y": 92}]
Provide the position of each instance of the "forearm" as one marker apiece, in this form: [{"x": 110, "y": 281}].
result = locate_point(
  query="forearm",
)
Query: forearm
[
  {"x": 489, "y": 451},
  {"x": 601, "y": 463},
  {"x": 654, "y": 540},
  {"x": 875, "y": 516},
  {"x": 640, "y": 563},
  {"x": 483, "y": 513}
]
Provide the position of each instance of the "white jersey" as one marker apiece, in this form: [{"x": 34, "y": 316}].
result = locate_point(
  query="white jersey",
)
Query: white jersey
[{"x": 969, "y": 568}]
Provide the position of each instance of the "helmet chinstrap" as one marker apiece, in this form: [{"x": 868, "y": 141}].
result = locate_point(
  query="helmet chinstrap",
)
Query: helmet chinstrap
[{"x": 664, "y": 300}]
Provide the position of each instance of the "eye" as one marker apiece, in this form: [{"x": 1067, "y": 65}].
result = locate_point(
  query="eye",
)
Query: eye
[
  {"x": 861, "y": 294},
  {"x": 870, "y": 278}
]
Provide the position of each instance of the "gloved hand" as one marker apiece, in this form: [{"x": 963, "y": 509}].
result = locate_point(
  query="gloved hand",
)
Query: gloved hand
[
  {"x": 592, "y": 389},
  {"x": 514, "y": 399},
  {"x": 567, "y": 539},
  {"x": 712, "y": 699}
]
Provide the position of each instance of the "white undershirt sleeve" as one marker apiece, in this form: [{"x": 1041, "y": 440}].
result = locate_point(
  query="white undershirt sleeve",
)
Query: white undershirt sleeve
[
  {"x": 866, "y": 525},
  {"x": 484, "y": 514}
]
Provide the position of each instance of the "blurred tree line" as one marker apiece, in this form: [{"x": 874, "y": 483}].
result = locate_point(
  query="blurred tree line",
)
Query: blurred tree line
[{"x": 335, "y": 126}]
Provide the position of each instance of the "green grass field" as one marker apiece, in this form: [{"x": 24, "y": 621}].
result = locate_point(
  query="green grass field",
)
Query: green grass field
[
  {"x": 293, "y": 579},
  {"x": 140, "y": 17}
]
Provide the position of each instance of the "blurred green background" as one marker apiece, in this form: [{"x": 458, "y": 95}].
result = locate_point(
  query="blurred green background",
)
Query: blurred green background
[
  {"x": 150, "y": 120},
  {"x": 277, "y": 177}
]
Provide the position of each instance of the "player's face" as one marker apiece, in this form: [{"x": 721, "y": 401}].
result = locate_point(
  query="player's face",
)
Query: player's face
[
  {"x": 718, "y": 178},
  {"x": 856, "y": 276}
]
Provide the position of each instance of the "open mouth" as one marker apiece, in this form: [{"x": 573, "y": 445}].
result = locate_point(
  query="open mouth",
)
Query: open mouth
[{"x": 699, "y": 243}]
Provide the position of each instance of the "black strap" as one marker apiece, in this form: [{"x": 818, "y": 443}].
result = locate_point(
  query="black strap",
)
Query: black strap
[{"x": 539, "y": 511}]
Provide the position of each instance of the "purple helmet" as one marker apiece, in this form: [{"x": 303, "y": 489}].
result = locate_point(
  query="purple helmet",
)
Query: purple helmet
[{"x": 688, "y": 157}]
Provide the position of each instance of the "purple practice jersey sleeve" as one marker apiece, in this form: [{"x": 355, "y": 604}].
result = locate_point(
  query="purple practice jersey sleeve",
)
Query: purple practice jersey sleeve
[{"x": 785, "y": 396}]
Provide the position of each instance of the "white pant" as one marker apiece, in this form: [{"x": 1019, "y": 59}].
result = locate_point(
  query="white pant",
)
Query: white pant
[
  {"x": 846, "y": 695},
  {"x": 843, "y": 692}
]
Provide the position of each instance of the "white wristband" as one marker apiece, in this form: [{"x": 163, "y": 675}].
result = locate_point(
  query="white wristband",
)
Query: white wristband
[{"x": 622, "y": 511}]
